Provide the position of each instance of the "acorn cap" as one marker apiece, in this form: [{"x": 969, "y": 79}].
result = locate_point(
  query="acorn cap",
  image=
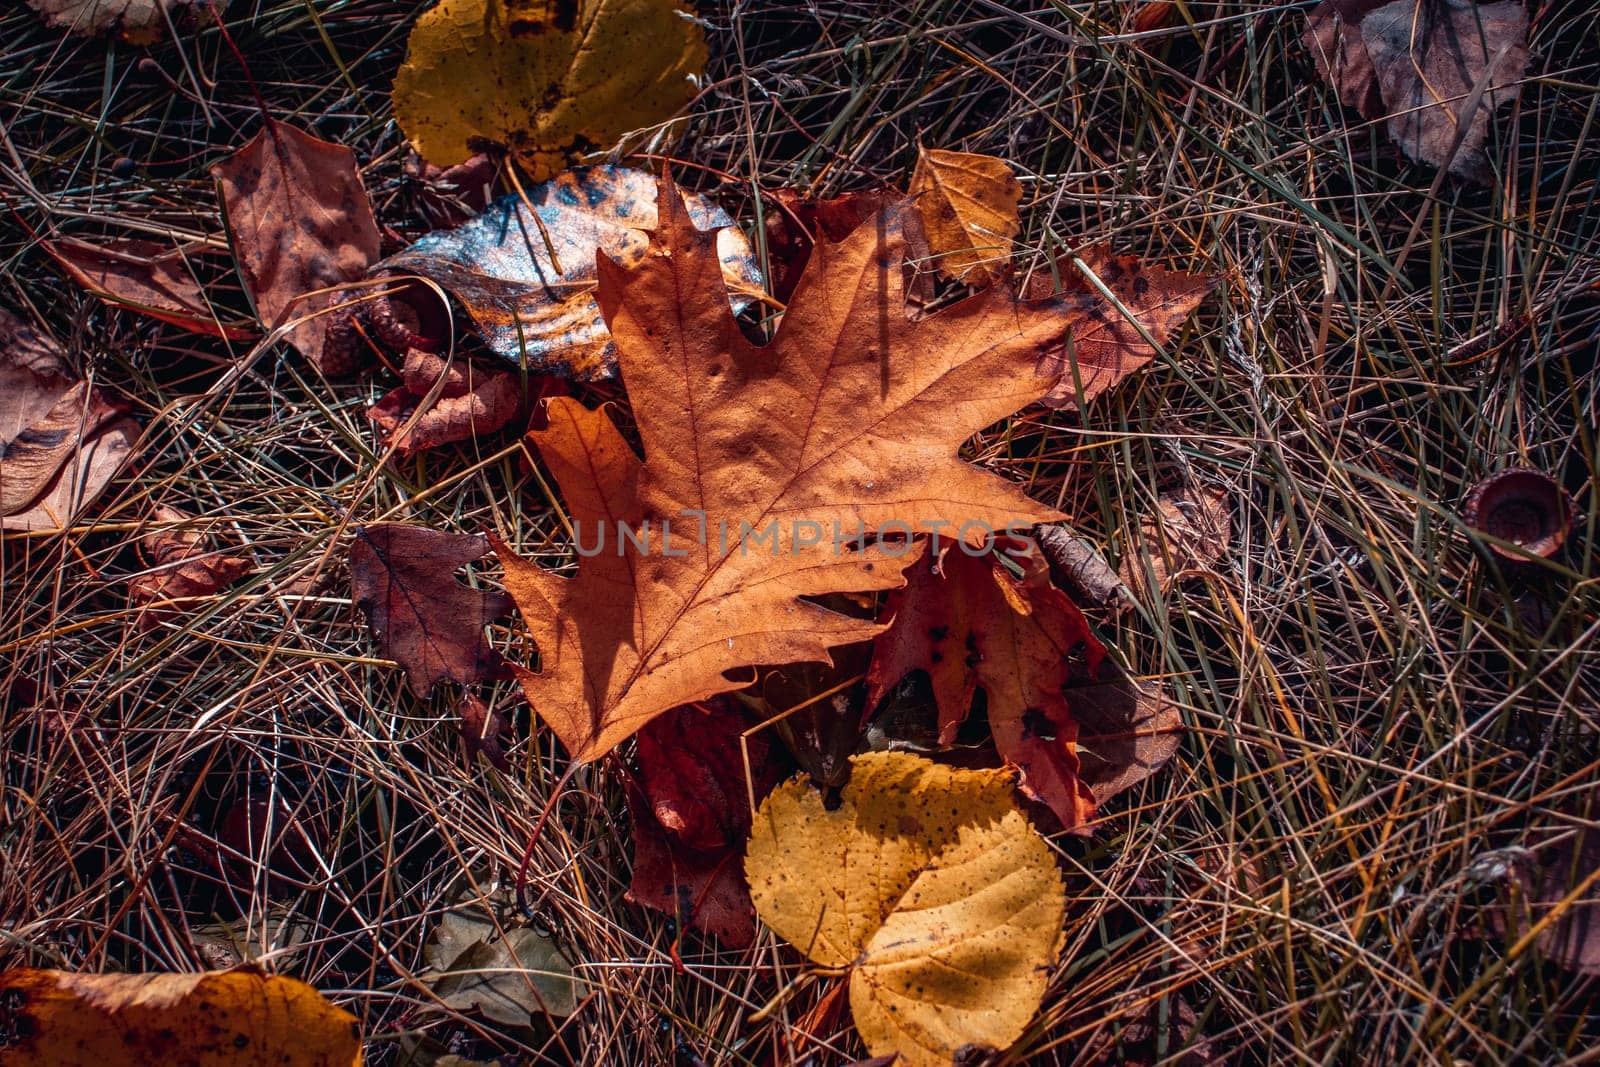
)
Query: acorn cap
[{"x": 1523, "y": 506}]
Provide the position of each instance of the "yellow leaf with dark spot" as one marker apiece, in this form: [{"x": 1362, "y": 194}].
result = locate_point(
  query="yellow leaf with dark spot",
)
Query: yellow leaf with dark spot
[
  {"x": 930, "y": 884},
  {"x": 549, "y": 79},
  {"x": 968, "y": 205},
  {"x": 218, "y": 1019}
]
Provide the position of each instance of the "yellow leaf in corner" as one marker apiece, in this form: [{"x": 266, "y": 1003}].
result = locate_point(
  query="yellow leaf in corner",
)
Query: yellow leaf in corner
[
  {"x": 931, "y": 885},
  {"x": 968, "y": 205},
  {"x": 217, "y": 1019},
  {"x": 549, "y": 79}
]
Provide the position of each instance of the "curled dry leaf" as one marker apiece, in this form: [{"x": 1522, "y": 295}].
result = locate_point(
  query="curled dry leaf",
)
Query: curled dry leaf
[
  {"x": 60, "y": 440},
  {"x": 216, "y": 1019},
  {"x": 300, "y": 221},
  {"x": 930, "y": 885},
  {"x": 149, "y": 277},
  {"x": 1127, "y": 730},
  {"x": 1439, "y": 69},
  {"x": 691, "y": 815},
  {"x": 1106, "y": 344},
  {"x": 403, "y": 579},
  {"x": 135, "y": 21},
  {"x": 968, "y": 205},
  {"x": 1078, "y": 566},
  {"x": 473, "y": 401},
  {"x": 525, "y": 269},
  {"x": 971, "y": 624},
  {"x": 549, "y": 81},
  {"x": 181, "y": 567},
  {"x": 1190, "y": 530},
  {"x": 851, "y": 419}
]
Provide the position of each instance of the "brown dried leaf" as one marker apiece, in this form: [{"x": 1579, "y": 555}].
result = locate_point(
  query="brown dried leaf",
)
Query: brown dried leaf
[
  {"x": 1152, "y": 15},
  {"x": 796, "y": 224},
  {"x": 1080, "y": 569},
  {"x": 403, "y": 579},
  {"x": 449, "y": 196},
  {"x": 1190, "y": 530},
  {"x": 1141, "y": 1029},
  {"x": 182, "y": 567},
  {"x": 691, "y": 812},
  {"x": 853, "y": 415},
  {"x": 1106, "y": 345},
  {"x": 968, "y": 205},
  {"x": 1438, "y": 70},
  {"x": 215, "y": 1019},
  {"x": 1434, "y": 61},
  {"x": 149, "y": 277},
  {"x": 473, "y": 402},
  {"x": 1127, "y": 730},
  {"x": 135, "y": 21},
  {"x": 300, "y": 221},
  {"x": 1563, "y": 862},
  {"x": 60, "y": 441}
]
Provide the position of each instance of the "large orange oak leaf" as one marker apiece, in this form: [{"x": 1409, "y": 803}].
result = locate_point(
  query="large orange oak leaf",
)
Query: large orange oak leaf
[
  {"x": 850, "y": 419},
  {"x": 971, "y": 624}
]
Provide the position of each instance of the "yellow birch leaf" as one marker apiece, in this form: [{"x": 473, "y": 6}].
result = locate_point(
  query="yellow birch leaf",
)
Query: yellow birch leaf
[
  {"x": 968, "y": 205},
  {"x": 549, "y": 79},
  {"x": 930, "y": 885},
  {"x": 237, "y": 1018}
]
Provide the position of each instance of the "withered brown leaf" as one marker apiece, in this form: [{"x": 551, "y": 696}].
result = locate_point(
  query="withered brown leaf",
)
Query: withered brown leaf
[
  {"x": 181, "y": 567},
  {"x": 61, "y": 441},
  {"x": 473, "y": 400},
  {"x": 149, "y": 277},
  {"x": 300, "y": 221},
  {"x": 1439, "y": 69},
  {"x": 1190, "y": 530},
  {"x": 1106, "y": 345},
  {"x": 691, "y": 810},
  {"x": 970, "y": 624},
  {"x": 403, "y": 578}
]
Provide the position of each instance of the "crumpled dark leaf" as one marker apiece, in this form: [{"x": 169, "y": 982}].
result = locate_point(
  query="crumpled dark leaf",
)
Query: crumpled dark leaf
[
  {"x": 691, "y": 812},
  {"x": 473, "y": 401},
  {"x": 61, "y": 441},
  {"x": 403, "y": 578},
  {"x": 1439, "y": 69},
  {"x": 181, "y": 567},
  {"x": 149, "y": 277}
]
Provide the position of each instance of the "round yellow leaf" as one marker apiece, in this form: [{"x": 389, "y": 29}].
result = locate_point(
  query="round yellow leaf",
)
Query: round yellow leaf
[
  {"x": 549, "y": 79},
  {"x": 931, "y": 885}
]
